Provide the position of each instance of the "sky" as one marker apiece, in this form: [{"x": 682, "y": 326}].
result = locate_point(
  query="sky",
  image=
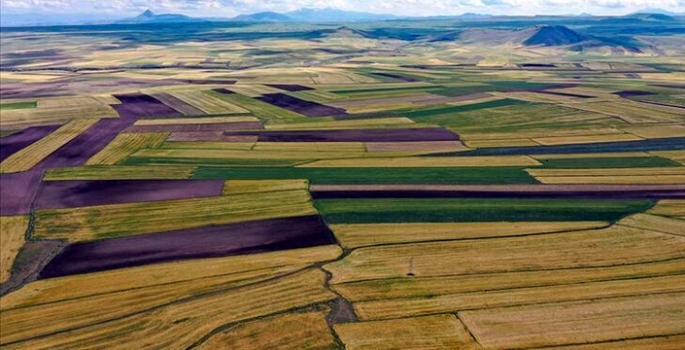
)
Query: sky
[{"x": 227, "y": 8}]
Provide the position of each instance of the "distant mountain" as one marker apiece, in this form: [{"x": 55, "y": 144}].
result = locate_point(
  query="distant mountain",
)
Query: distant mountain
[
  {"x": 263, "y": 17},
  {"x": 548, "y": 35},
  {"x": 660, "y": 12},
  {"x": 652, "y": 17},
  {"x": 314, "y": 16},
  {"x": 150, "y": 17},
  {"x": 334, "y": 15}
]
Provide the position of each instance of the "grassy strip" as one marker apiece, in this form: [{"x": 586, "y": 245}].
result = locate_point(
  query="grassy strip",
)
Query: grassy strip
[
  {"x": 351, "y": 176},
  {"x": 18, "y": 105},
  {"x": 476, "y": 210},
  {"x": 618, "y": 162},
  {"x": 429, "y": 112}
]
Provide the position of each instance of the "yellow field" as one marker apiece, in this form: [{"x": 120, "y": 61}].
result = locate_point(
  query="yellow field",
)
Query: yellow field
[
  {"x": 657, "y": 131},
  {"x": 567, "y": 140},
  {"x": 245, "y": 146},
  {"x": 347, "y": 124},
  {"x": 646, "y": 176},
  {"x": 678, "y": 156},
  {"x": 590, "y": 155},
  {"x": 501, "y": 143},
  {"x": 28, "y": 157},
  {"x": 263, "y": 154},
  {"x": 107, "y": 221},
  {"x": 578, "y": 322},
  {"x": 352, "y": 236},
  {"x": 203, "y": 120},
  {"x": 631, "y": 112},
  {"x": 403, "y": 162},
  {"x": 432, "y": 332},
  {"x": 12, "y": 238},
  {"x": 568, "y": 250},
  {"x": 674, "y": 342},
  {"x": 233, "y": 187},
  {"x": 608, "y": 172},
  {"x": 124, "y": 145},
  {"x": 671, "y": 208},
  {"x": 655, "y": 223},
  {"x": 179, "y": 324},
  {"x": 416, "y": 147},
  {"x": 208, "y": 103},
  {"x": 423, "y": 287},
  {"x": 392, "y": 308},
  {"x": 288, "y": 331},
  {"x": 121, "y": 172},
  {"x": 57, "y": 114},
  {"x": 253, "y": 90}
]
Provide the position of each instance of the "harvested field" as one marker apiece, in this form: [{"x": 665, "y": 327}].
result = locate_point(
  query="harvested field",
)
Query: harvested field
[
  {"x": 583, "y": 249},
  {"x": 22, "y": 118},
  {"x": 14, "y": 143},
  {"x": 358, "y": 135},
  {"x": 307, "y": 108},
  {"x": 671, "y": 342},
  {"x": 12, "y": 238},
  {"x": 123, "y": 145},
  {"x": 523, "y": 142},
  {"x": 262, "y": 110},
  {"x": 354, "y": 236},
  {"x": 17, "y": 192},
  {"x": 655, "y": 223},
  {"x": 590, "y": 321},
  {"x": 139, "y": 105},
  {"x": 121, "y": 172},
  {"x": 251, "y": 186},
  {"x": 413, "y": 290},
  {"x": 195, "y": 120},
  {"x": 32, "y": 155},
  {"x": 427, "y": 162},
  {"x": 662, "y": 175},
  {"x": 494, "y": 191},
  {"x": 183, "y": 322},
  {"x": 206, "y": 242},
  {"x": 75, "y": 194},
  {"x": 192, "y": 128},
  {"x": 384, "y": 123},
  {"x": 659, "y": 131},
  {"x": 290, "y": 87},
  {"x": 210, "y": 137},
  {"x": 178, "y": 104},
  {"x": 308, "y": 147},
  {"x": 671, "y": 208},
  {"x": 208, "y": 102},
  {"x": 569, "y": 140},
  {"x": 632, "y": 112},
  {"x": 422, "y": 147},
  {"x": 307, "y": 330},
  {"x": 119, "y": 220},
  {"x": 405, "y": 210},
  {"x": 432, "y": 332}
]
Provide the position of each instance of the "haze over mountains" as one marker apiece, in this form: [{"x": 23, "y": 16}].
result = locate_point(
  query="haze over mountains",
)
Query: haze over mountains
[{"x": 304, "y": 15}]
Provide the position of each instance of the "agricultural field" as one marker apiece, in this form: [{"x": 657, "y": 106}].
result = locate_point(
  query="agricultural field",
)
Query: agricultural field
[{"x": 409, "y": 184}]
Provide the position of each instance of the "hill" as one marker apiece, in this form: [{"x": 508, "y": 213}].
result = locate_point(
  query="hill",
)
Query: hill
[
  {"x": 150, "y": 17},
  {"x": 554, "y": 35}
]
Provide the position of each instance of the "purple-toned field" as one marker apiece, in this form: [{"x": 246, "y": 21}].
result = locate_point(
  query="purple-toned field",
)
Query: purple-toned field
[
  {"x": 73, "y": 194},
  {"x": 396, "y": 77},
  {"x": 361, "y": 135},
  {"x": 17, "y": 192},
  {"x": 14, "y": 143},
  {"x": 633, "y": 93},
  {"x": 565, "y": 94},
  {"x": 290, "y": 87},
  {"x": 196, "y": 127},
  {"x": 307, "y": 108},
  {"x": 205, "y": 242},
  {"x": 207, "y": 82},
  {"x": 134, "y": 106},
  {"x": 496, "y": 191}
]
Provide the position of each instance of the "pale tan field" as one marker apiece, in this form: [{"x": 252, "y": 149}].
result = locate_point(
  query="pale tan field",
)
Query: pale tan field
[
  {"x": 179, "y": 324},
  {"x": 569, "y": 140},
  {"x": 665, "y": 175},
  {"x": 288, "y": 331},
  {"x": 199, "y": 120},
  {"x": 658, "y": 131},
  {"x": 353, "y": 236},
  {"x": 671, "y": 208},
  {"x": 209, "y": 103},
  {"x": 501, "y": 143},
  {"x": 12, "y": 238},
  {"x": 438, "y": 162},
  {"x": 121, "y": 172},
  {"x": 655, "y": 223},
  {"x": 126, "y": 144},
  {"x": 28, "y": 157},
  {"x": 578, "y": 322},
  {"x": 568, "y": 250},
  {"x": 245, "y": 146},
  {"x": 58, "y": 112},
  {"x": 432, "y": 332},
  {"x": 233, "y": 187},
  {"x": 381, "y": 123},
  {"x": 79, "y": 224},
  {"x": 633, "y": 112}
]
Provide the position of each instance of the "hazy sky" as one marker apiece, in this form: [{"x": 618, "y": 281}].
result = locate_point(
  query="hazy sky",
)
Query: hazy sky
[{"x": 398, "y": 7}]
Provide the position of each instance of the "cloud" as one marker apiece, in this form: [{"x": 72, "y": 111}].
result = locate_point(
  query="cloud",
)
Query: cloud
[{"x": 399, "y": 7}]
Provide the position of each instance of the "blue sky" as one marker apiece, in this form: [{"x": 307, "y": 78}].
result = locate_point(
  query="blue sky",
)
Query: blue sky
[{"x": 218, "y": 8}]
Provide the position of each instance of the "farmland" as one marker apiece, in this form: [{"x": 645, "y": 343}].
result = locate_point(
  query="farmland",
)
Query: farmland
[{"x": 397, "y": 184}]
